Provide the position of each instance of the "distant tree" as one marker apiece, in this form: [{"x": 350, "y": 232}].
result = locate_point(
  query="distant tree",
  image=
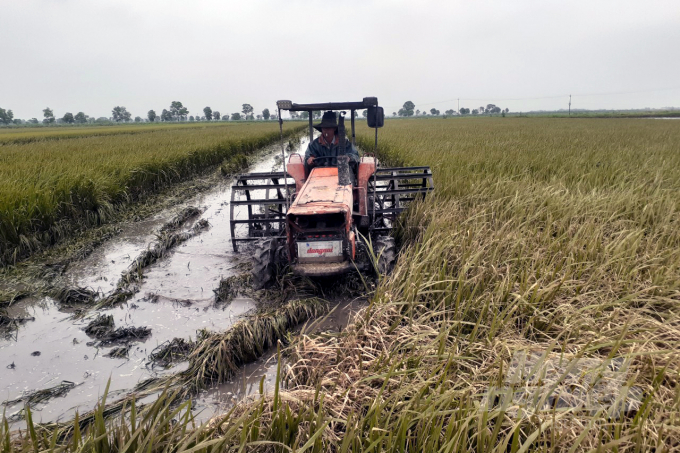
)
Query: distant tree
[
  {"x": 304, "y": 115},
  {"x": 317, "y": 114},
  {"x": 475, "y": 111},
  {"x": 481, "y": 109},
  {"x": 464, "y": 111},
  {"x": 138, "y": 119},
  {"x": 402, "y": 112},
  {"x": 364, "y": 113},
  {"x": 274, "y": 116},
  {"x": 6, "y": 116},
  {"x": 507, "y": 110},
  {"x": 217, "y": 115},
  {"x": 490, "y": 108},
  {"x": 120, "y": 113},
  {"x": 235, "y": 116},
  {"x": 294, "y": 115},
  {"x": 80, "y": 118},
  {"x": 265, "y": 114},
  {"x": 259, "y": 117},
  {"x": 202, "y": 118},
  {"x": 33, "y": 121},
  {"x": 408, "y": 108},
  {"x": 177, "y": 111},
  {"x": 247, "y": 110},
  {"x": 394, "y": 113},
  {"x": 166, "y": 115},
  {"x": 17, "y": 121},
  {"x": 68, "y": 118},
  {"x": 417, "y": 112},
  {"x": 225, "y": 117},
  {"x": 208, "y": 113},
  {"x": 191, "y": 118},
  {"x": 450, "y": 112},
  {"x": 435, "y": 112},
  {"x": 49, "y": 116}
]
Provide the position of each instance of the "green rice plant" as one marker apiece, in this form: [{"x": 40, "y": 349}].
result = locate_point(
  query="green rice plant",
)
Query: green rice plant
[{"x": 49, "y": 189}]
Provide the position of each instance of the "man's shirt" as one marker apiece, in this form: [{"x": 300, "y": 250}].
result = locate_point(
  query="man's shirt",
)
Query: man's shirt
[{"x": 320, "y": 148}]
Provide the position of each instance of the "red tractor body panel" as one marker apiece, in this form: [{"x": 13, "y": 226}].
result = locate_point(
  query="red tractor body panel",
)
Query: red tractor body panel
[
  {"x": 318, "y": 225},
  {"x": 366, "y": 170}
]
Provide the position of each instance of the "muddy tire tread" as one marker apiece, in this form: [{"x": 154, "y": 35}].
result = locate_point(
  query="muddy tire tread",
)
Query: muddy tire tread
[
  {"x": 264, "y": 263},
  {"x": 385, "y": 250}
]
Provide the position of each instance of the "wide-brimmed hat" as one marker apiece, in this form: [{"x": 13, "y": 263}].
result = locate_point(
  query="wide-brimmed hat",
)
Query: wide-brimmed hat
[{"x": 327, "y": 120}]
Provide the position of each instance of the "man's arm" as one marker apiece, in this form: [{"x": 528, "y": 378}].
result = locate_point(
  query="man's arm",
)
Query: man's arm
[
  {"x": 352, "y": 152},
  {"x": 311, "y": 152}
]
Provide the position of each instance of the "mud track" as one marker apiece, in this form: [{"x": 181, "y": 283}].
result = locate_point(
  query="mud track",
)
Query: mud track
[{"x": 134, "y": 308}]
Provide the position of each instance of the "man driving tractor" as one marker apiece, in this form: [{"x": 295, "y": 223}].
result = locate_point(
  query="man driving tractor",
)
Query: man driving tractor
[{"x": 323, "y": 151}]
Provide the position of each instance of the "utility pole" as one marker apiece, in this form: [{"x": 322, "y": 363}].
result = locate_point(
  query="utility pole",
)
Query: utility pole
[
  {"x": 458, "y": 111},
  {"x": 570, "y": 105}
]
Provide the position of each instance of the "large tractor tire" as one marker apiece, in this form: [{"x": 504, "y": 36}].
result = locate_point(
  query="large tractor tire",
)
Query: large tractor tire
[
  {"x": 385, "y": 251},
  {"x": 265, "y": 263}
]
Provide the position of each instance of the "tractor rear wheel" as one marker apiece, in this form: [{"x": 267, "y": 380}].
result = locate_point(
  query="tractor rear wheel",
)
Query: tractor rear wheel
[
  {"x": 385, "y": 250},
  {"x": 265, "y": 263}
]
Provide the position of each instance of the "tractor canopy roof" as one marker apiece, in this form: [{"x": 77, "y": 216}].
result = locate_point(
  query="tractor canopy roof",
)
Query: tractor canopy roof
[{"x": 293, "y": 107}]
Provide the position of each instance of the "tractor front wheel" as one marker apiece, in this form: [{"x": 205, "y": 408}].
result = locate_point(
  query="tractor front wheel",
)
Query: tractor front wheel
[
  {"x": 265, "y": 263},
  {"x": 385, "y": 251}
]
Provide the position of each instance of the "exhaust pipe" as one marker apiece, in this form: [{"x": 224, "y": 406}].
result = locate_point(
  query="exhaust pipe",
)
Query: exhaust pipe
[{"x": 344, "y": 177}]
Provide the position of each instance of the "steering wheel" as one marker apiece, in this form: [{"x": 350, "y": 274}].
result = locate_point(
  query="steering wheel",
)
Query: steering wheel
[{"x": 323, "y": 157}]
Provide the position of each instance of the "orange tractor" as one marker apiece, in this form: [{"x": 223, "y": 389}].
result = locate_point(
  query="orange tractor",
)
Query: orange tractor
[{"x": 329, "y": 220}]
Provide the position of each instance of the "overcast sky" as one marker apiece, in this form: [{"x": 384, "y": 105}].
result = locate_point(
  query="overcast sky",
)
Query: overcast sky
[{"x": 91, "y": 55}]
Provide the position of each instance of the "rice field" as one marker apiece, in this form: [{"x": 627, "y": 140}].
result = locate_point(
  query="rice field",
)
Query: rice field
[
  {"x": 48, "y": 185},
  {"x": 534, "y": 307},
  {"x": 35, "y": 134}
]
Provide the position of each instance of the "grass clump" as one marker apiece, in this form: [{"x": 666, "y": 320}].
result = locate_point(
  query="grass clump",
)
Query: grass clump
[
  {"x": 170, "y": 352},
  {"x": 234, "y": 164},
  {"x": 100, "y": 326}
]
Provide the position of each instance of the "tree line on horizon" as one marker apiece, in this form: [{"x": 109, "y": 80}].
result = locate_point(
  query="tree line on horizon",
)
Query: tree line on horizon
[
  {"x": 178, "y": 112},
  {"x": 409, "y": 109},
  {"x": 119, "y": 114}
]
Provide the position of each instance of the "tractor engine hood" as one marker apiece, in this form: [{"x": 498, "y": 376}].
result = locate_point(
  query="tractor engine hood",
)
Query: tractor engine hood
[{"x": 322, "y": 194}]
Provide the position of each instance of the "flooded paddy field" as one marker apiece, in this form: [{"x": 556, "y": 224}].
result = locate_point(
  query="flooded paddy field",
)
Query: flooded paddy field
[{"x": 108, "y": 324}]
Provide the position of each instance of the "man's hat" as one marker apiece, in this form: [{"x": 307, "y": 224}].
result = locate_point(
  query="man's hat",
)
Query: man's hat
[{"x": 328, "y": 120}]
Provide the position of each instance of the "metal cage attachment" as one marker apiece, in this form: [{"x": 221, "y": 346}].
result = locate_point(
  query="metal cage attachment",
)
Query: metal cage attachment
[
  {"x": 258, "y": 206},
  {"x": 392, "y": 189}
]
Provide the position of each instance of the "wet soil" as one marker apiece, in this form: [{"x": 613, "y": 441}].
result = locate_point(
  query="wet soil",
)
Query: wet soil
[{"x": 175, "y": 299}]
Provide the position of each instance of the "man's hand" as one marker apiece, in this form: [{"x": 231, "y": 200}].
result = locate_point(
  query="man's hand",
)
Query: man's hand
[{"x": 310, "y": 161}]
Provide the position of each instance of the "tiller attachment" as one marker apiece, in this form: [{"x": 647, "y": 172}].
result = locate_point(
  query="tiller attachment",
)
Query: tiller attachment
[
  {"x": 258, "y": 206},
  {"x": 392, "y": 189}
]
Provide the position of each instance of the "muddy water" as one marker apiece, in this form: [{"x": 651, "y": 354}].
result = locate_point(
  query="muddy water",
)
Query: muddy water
[{"x": 175, "y": 300}]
